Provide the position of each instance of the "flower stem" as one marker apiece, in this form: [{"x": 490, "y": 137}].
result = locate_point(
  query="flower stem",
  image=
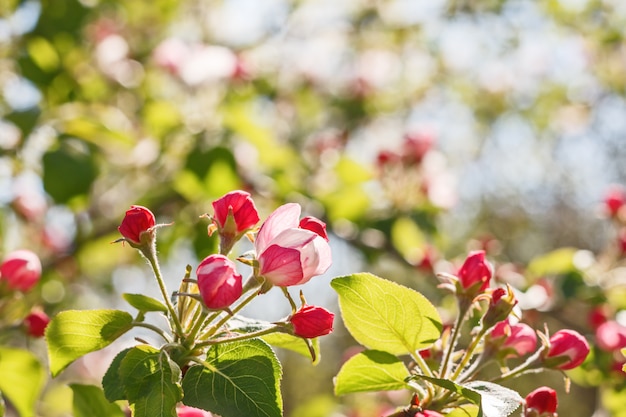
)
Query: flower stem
[
  {"x": 469, "y": 353},
  {"x": 151, "y": 256},
  {"x": 227, "y": 317},
  {"x": 456, "y": 330},
  {"x": 243, "y": 336},
  {"x": 155, "y": 329}
]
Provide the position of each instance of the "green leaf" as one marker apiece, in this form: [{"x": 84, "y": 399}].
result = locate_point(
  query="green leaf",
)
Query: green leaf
[
  {"x": 74, "y": 333},
  {"x": 295, "y": 344},
  {"x": 144, "y": 303},
  {"x": 558, "y": 261},
  {"x": 372, "y": 370},
  {"x": 1, "y": 405},
  {"x": 112, "y": 381},
  {"x": 383, "y": 315},
  {"x": 408, "y": 239},
  {"x": 497, "y": 401},
  {"x": 238, "y": 379},
  {"x": 493, "y": 400},
  {"x": 69, "y": 171},
  {"x": 89, "y": 401},
  {"x": 22, "y": 379},
  {"x": 470, "y": 410},
  {"x": 151, "y": 381},
  {"x": 470, "y": 395}
]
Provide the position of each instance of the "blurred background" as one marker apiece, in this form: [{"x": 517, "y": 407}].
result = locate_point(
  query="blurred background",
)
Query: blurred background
[{"x": 418, "y": 130}]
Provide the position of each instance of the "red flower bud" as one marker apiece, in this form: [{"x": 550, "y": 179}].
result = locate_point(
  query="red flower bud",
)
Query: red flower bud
[
  {"x": 235, "y": 213},
  {"x": 218, "y": 282},
  {"x": 138, "y": 222},
  {"x": 519, "y": 338},
  {"x": 20, "y": 270},
  {"x": 312, "y": 321},
  {"x": 541, "y": 402},
  {"x": 614, "y": 199},
  {"x": 314, "y": 225},
  {"x": 475, "y": 271},
  {"x": 567, "y": 344},
  {"x": 611, "y": 336},
  {"x": 35, "y": 323}
]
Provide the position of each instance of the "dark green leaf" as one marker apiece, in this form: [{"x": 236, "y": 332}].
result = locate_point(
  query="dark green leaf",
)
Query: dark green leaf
[
  {"x": 89, "y": 401},
  {"x": 151, "y": 381},
  {"x": 112, "y": 381},
  {"x": 239, "y": 379},
  {"x": 74, "y": 333}
]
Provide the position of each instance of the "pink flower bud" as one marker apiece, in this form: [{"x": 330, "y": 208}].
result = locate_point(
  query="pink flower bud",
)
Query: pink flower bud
[
  {"x": 218, "y": 282},
  {"x": 416, "y": 145},
  {"x": 311, "y": 322},
  {"x": 567, "y": 344},
  {"x": 21, "y": 270},
  {"x": 287, "y": 254},
  {"x": 235, "y": 213},
  {"x": 138, "y": 224},
  {"x": 611, "y": 336},
  {"x": 519, "y": 338},
  {"x": 500, "y": 306},
  {"x": 186, "y": 411},
  {"x": 315, "y": 225},
  {"x": 36, "y": 322},
  {"x": 614, "y": 199},
  {"x": 542, "y": 402},
  {"x": 475, "y": 271}
]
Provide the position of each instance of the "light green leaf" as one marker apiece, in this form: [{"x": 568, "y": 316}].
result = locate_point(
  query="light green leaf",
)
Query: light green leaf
[
  {"x": 74, "y": 333},
  {"x": 295, "y": 344},
  {"x": 559, "y": 261},
  {"x": 144, "y": 303},
  {"x": 22, "y": 379},
  {"x": 408, "y": 239},
  {"x": 372, "y": 370},
  {"x": 239, "y": 379},
  {"x": 469, "y": 410},
  {"x": 151, "y": 381},
  {"x": 383, "y": 315},
  {"x": 493, "y": 400},
  {"x": 89, "y": 401}
]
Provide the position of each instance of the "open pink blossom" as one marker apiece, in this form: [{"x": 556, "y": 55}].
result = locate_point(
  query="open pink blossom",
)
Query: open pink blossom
[
  {"x": 611, "y": 336},
  {"x": 287, "y": 254}
]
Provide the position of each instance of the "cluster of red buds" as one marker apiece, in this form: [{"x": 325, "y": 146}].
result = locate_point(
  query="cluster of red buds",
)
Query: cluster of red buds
[{"x": 288, "y": 250}]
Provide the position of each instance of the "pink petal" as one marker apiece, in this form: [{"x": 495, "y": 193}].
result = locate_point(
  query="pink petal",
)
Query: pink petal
[{"x": 284, "y": 217}]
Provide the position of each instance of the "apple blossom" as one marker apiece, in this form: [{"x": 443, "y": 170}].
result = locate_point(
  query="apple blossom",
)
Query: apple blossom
[
  {"x": 218, "y": 281},
  {"x": 312, "y": 321},
  {"x": 138, "y": 226},
  {"x": 21, "y": 270},
  {"x": 542, "y": 402},
  {"x": 567, "y": 344}
]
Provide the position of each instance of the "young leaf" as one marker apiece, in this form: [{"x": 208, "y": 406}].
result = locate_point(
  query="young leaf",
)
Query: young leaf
[
  {"x": 497, "y": 401},
  {"x": 294, "y": 343},
  {"x": 151, "y": 381},
  {"x": 112, "y": 381},
  {"x": 144, "y": 303},
  {"x": 372, "y": 370},
  {"x": 22, "y": 379},
  {"x": 383, "y": 315},
  {"x": 73, "y": 333},
  {"x": 89, "y": 401},
  {"x": 239, "y": 379},
  {"x": 470, "y": 395}
]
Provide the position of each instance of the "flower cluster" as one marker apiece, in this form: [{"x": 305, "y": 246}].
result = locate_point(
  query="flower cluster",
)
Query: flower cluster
[
  {"x": 499, "y": 338},
  {"x": 289, "y": 250}
]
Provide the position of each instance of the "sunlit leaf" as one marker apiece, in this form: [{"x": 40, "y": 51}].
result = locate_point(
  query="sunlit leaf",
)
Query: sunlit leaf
[
  {"x": 74, "y": 333},
  {"x": 371, "y": 370},
  {"x": 383, "y": 315},
  {"x": 22, "y": 379},
  {"x": 144, "y": 303}
]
